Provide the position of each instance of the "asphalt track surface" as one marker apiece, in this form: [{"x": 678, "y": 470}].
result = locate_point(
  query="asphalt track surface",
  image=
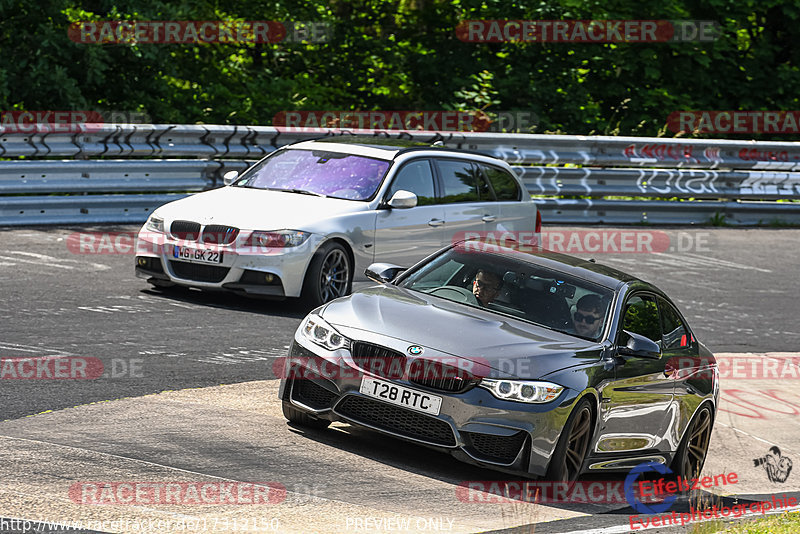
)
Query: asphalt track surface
[{"x": 192, "y": 396}]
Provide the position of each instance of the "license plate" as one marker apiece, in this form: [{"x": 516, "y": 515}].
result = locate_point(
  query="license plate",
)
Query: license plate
[
  {"x": 196, "y": 255},
  {"x": 401, "y": 395}
]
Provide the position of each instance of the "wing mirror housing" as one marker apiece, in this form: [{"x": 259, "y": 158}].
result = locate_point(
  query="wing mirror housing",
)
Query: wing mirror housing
[
  {"x": 638, "y": 346},
  {"x": 383, "y": 273},
  {"x": 229, "y": 177},
  {"x": 402, "y": 199}
]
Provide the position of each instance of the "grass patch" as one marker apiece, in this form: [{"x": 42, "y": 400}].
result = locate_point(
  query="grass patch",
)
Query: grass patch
[{"x": 786, "y": 523}]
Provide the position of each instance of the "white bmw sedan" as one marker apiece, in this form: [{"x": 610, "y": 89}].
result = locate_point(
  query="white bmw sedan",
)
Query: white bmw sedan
[{"x": 306, "y": 219}]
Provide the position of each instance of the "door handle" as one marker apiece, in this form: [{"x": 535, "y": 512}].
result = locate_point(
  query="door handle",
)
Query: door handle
[
  {"x": 488, "y": 218},
  {"x": 435, "y": 222}
]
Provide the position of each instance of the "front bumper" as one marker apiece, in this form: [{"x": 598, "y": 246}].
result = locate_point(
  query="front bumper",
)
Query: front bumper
[
  {"x": 473, "y": 426},
  {"x": 241, "y": 270}
]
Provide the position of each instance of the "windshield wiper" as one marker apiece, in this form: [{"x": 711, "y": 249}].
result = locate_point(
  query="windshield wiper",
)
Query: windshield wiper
[{"x": 298, "y": 191}]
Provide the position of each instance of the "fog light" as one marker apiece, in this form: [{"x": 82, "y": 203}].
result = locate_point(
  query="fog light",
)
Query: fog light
[
  {"x": 269, "y": 277},
  {"x": 142, "y": 262}
]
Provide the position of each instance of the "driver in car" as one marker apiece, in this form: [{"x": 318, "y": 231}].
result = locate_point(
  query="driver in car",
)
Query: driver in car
[
  {"x": 486, "y": 286},
  {"x": 588, "y": 316}
]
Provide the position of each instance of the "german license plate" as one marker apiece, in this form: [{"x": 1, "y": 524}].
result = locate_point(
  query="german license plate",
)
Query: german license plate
[
  {"x": 401, "y": 395},
  {"x": 196, "y": 255}
]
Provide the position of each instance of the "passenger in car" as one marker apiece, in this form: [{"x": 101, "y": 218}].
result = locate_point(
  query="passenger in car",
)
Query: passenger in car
[
  {"x": 588, "y": 316},
  {"x": 486, "y": 286}
]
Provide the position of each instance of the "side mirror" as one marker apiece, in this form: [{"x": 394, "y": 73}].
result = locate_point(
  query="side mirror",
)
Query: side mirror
[
  {"x": 638, "y": 346},
  {"x": 229, "y": 177},
  {"x": 403, "y": 199},
  {"x": 383, "y": 273}
]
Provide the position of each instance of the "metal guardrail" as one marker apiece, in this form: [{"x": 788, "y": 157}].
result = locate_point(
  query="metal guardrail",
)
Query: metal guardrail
[
  {"x": 679, "y": 183},
  {"x": 572, "y": 211},
  {"x": 76, "y": 176},
  {"x": 81, "y": 209},
  {"x": 716, "y": 177}
]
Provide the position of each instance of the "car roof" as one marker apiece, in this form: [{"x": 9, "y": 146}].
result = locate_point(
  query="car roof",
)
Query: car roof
[
  {"x": 590, "y": 271},
  {"x": 378, "y": 147}
]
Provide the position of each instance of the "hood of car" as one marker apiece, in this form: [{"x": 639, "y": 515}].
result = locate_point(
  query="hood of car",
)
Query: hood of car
[
  {"x": 257, "y": 209},
  {"x": 512, "y": 348}
]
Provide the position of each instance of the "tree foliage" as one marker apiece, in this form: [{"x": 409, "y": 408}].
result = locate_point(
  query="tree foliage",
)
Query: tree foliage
[{"x": 404, "y": 55}]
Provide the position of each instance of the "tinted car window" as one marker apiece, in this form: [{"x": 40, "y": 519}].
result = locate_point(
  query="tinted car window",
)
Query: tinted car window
[
  {"x": 529, "y": 292},
  {"x": 459, "y": 181},
  {"x": 417, "y": 178},
  {"x": 641, "y": 317},
  {"x": 484, "y": 189},
  {"x": 332, "y": 174},
  {"x": 505, "y": 186},
  {"x": 675, "y": 334}
]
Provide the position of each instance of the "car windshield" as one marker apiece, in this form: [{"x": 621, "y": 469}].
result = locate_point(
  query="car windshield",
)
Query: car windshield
[
  {"x": 510, "y": 286},
  {"x": 318, "y": 172}
]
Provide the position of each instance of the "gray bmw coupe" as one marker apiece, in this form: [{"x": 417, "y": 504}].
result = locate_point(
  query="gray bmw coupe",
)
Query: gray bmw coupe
[{"x": 511, "y": 358}]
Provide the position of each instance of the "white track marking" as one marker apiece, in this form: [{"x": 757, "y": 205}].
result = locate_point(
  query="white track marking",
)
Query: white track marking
[
  {"x": 716, "y": 262},
  {"x": 753, "y": 436},
  {"x": 45, "y": 257},
  {"x": 54, "y": 353},
  {"x": 68, "y": 267}
]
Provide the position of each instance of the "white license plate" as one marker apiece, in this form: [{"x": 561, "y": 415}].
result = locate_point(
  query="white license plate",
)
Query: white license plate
[
  {"x": 196, "y": 255},
  {"x": 401, "y": 395}
]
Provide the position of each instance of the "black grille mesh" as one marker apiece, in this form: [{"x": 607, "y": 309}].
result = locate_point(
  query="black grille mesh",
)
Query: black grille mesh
[
  {"x": 398, "y": 420},
  {"x": 198, "y": 272},
  {"x": 312, "y": 394},
  {"x": 378, "y": 360},
  {"x": 215, "y": 234},
  {"x": 437, "y": 375},
  {"x": 185, "y": 230},
  {"x": 501, "y": 449}
]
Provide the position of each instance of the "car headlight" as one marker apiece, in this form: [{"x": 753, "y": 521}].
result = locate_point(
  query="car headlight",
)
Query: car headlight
[
  {"x": 155, "y": 224},
  {"x": 522, "y": 390},
  {"x": 277, "y": 239},
  {"x": 316, "y": 330}
]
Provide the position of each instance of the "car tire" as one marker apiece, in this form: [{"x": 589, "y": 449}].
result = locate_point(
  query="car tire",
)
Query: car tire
[
  {"x": 329, "y": 275},
  {"x": 293, "y": 415},
  {"x": 573, "y": 445},
  {"x": 691, "y": 455}
]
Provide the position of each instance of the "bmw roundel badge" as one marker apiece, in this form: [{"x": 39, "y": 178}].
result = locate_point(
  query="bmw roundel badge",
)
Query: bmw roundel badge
[{"x": 415, "y": 350}]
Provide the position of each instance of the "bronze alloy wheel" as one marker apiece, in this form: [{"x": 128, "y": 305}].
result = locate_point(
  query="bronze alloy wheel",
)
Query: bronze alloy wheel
[
  {"x": 568, "y": 456},
  {"x": 698, "y": 436},
  {"x": 578, "y": 443}
]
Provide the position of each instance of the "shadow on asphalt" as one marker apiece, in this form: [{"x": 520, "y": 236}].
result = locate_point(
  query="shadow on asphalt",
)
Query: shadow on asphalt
[
  {"x": 397, "y": 453},
  {"x": 291, "y": 308}
]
